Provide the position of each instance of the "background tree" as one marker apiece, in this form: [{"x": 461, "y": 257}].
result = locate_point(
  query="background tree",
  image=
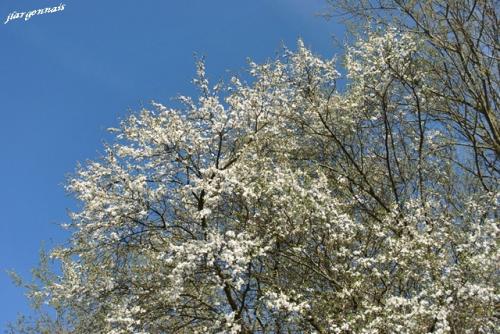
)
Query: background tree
[
  {"x": 281, "y": 205},
  {"x": 461, "y": 60}
]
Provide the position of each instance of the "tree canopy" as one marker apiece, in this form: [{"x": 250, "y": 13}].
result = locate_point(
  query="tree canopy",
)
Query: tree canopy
[{"x": 282, "y": 204}]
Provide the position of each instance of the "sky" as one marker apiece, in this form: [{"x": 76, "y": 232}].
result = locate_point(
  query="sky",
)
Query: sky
[{"x": 66, "y": 77}]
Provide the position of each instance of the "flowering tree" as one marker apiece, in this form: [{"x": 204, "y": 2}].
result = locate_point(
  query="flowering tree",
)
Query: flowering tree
[
  {"x": 283, "y": 205},
  {"x": 460, "y": 45}
]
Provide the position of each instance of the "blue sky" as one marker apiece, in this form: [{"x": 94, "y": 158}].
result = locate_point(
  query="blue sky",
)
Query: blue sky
[{"x": 67, "y": 76}]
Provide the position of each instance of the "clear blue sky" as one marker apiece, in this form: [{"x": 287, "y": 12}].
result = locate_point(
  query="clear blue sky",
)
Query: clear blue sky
[{"x": 66, "y": 77}]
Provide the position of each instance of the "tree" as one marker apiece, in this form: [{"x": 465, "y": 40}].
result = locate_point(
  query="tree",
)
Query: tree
[
  {"x": 460, "y": 55},
  {"x": 283, "y": 205}
]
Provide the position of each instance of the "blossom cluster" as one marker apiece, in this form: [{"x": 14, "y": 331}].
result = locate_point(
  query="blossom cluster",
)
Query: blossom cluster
[{"x": 284, "y": 205}]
